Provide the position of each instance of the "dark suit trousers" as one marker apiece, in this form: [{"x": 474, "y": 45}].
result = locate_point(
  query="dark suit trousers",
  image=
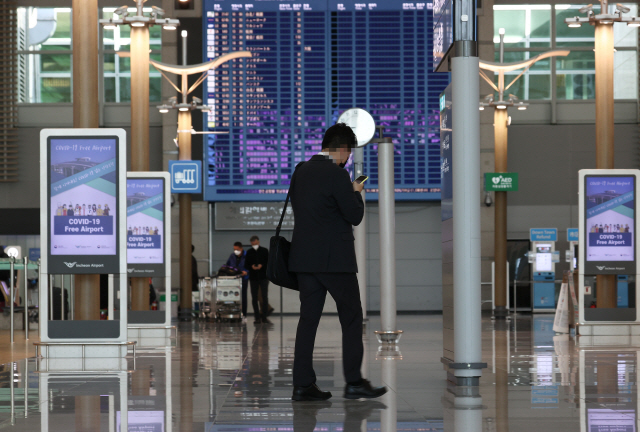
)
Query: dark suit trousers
[
  {"x": 245, "y": 285},
  {"x": 344, "y": 289},
  {"x": 262, "y": 285}
]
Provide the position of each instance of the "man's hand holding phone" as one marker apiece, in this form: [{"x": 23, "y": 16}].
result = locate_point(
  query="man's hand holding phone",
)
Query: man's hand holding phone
[{"x": 358, "y": 184}]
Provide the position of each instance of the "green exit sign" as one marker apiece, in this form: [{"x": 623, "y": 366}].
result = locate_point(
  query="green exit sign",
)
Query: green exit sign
[{"x": 501, "y": 182}]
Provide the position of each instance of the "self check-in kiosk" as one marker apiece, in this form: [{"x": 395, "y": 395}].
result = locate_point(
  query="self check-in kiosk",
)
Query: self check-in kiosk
[
  {"x": 571, "y": 255},
  {"x": 543, "y": 257},
  {"x": 608, "y": 246}
]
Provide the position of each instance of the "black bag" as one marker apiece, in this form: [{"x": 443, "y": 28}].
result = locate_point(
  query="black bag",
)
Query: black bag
[
  {"x": 279, "y": 247},
  {"x": 226, "y": 270}
]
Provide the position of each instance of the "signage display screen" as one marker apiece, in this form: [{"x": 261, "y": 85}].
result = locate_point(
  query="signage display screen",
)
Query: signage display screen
[
  {"x": 142, "y": 421},
  {"x": 610, "y": 224},
  {"x": 272, "y": 109},
  {"x": 145, "y": 226},
  {"x": 83, "y": 196},
  {"x": 609, "y": 420}
]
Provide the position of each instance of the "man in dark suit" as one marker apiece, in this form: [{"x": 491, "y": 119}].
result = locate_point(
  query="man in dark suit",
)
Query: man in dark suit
[
  {"x": 237, "y": 260},
  {"x": 256, "y": 262},
  {"x": 325, "y": 206}
]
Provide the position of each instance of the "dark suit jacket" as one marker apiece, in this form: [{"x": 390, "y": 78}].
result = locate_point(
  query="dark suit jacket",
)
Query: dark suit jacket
[
  {"x": 260, "y": 256},
  {"x": 325, "y": 207}
]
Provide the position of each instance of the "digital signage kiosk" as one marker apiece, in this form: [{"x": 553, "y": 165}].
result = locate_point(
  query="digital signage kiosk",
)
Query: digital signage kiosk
[
  {"x": 608, "y": 209},
  {"x": 83, "y": 208},
  {"x": 149, "y": 238}
]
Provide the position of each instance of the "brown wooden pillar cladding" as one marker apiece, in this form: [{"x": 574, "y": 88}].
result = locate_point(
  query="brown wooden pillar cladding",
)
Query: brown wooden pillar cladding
[
  {"x": 86, "y": 115},
  {"x": 606, "y": 286},
  {"x": 500, "y": 240},
  {"x": 184, "y": 142},
  {"x": 140, "y": 135}
]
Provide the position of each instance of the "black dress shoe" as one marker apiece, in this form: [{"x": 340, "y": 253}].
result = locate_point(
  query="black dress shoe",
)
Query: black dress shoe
[
  {"x": 310, "y": 393},
  {"x": 270, "y": 311},
  {"x": 258, "y": 321},
  {"x": 363, "y": 390},
  {"x": 362, "y": 409},
  {"x": 266, "y": 321}
]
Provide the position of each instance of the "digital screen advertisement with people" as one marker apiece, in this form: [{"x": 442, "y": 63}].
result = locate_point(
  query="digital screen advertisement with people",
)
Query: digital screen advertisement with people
[
  {"x": 610, "y": 223},
  {"x": 145, "y": 226},
  {"x": 83, "y": 197}
]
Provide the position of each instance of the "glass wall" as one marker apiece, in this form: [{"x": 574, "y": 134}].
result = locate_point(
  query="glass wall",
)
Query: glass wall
[
  {"x": 45, "y": 56},
  {"x": 533, "y": 29}
]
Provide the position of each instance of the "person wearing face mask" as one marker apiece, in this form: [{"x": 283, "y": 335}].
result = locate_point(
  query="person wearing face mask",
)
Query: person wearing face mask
[
  {"x": 256, "y": 262},
  {"x": 237, "y": 260},
  {"x": 326, "y": 205}
]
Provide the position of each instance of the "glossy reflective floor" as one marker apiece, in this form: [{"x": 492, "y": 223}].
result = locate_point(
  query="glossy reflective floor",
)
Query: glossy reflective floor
[{"x": 221, "y": 377}]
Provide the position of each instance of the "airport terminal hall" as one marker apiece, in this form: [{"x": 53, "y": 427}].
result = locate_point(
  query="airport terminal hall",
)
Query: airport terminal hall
[{"x": 319, "y": 216}]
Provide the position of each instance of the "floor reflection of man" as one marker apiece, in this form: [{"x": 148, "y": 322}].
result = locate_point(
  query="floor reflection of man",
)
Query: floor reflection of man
[
  {"x": 258, "y": 378},
  {"x": 305, "y": 416}
]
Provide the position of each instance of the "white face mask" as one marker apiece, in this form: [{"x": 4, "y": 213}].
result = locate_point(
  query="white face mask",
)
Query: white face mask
[
  {"x": 255, "y": 247},
  {"x": 237, "y": 252}
]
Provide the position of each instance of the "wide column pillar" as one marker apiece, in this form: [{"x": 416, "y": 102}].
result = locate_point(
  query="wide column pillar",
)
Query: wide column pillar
[
  {"x": 500, "y": 239},
  {"x": 465, "y": 68},
  {"x": 607, "y": 295},
  {"x": 184, "y": 153},
  {"x": 139, "y": 134},
  {"x": 86, "y": 115}
]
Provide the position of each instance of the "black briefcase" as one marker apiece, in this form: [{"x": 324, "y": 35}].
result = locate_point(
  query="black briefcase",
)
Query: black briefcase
[
  {"x": 278, "y": 264},
  {"x": 279, "y": 248}
]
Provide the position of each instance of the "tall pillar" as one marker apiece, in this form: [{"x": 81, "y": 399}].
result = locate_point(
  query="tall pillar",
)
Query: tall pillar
[
  {"x": 140, "y": 98},
  {"x": 500, "y": 240},
  {"x": 86, "y": 115},
  {"x": 139, "y": 135},
  {"x": 465, "y": 68},
  {"x": 184, "y": 153},
  {"x": 606, "y": 293}
]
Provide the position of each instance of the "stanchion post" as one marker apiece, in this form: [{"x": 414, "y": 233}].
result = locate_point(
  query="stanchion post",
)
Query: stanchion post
[
  {"x": 72, "y": 298},
  {"x": 11, "y": 375},
  {"x": 11, "y": 299},
  {"x": 62, "y": 298},
  {"x": 26, "y": 387},
  {"x": 26, "y": 300},
  {"x": 51, "y": 279},
  {"x": 389, "y": 333}
]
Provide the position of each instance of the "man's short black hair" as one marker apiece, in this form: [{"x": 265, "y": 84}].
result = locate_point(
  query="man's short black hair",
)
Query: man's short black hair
[
  {"x": 339, "y": 136},
  {"x": 254, "y": 238},
  {"x": 239, "y": 244}
]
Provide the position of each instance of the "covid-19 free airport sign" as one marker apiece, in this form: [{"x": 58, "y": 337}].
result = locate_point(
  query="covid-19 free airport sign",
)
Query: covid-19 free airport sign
[{"x": 83, "y": 171}]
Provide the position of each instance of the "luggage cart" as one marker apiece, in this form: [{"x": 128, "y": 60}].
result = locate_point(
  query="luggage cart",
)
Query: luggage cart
[
  {"x": 228, "y": 294},
  {"x": 206, "y": 295}
]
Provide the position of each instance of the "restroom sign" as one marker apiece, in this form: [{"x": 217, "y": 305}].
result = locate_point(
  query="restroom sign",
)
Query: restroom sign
[{"x": 186, "y": 176}]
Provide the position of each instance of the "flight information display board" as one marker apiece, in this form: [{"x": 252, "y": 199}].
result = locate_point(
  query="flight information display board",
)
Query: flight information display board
[{"x": 311, "y": 61}]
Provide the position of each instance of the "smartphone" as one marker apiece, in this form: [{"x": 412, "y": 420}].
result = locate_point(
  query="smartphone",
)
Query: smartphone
[{"x": 361, "y": 179}]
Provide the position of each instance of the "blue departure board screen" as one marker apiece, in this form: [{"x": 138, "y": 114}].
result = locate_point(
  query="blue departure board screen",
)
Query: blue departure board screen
[{"x": 312, "y": 61}]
